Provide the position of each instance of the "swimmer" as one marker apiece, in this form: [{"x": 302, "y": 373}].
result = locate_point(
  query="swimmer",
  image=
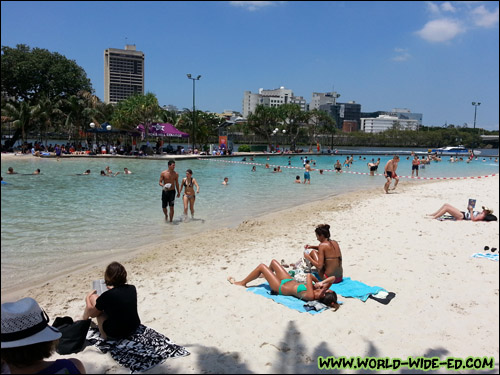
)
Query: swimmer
[
  {"x": 11, "y": 171},
  {"x": 37, "y": 171},
  {"x": 254, "y": 169},
  {"x": 226, "y": 181},
  {"x": 297, "y": 180},
  {"x": 126, "y": 171}
]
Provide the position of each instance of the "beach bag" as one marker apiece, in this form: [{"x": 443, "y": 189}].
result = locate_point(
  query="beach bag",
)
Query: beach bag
[{"x": 73, "y": 334}]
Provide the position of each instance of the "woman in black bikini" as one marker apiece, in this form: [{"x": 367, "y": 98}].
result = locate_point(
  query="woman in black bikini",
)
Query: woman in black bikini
[
  {"x": 326, "y": 257},
  {"x": 189, "y": 196}
]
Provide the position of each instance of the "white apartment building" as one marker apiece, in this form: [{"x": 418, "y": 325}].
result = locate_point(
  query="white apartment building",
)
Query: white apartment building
[
  {"x": 322, "y": 98},
  {"x": 123, "y": 73},
  {"x": 270, "y": 98},
  {"x": 385, "y": 122}
]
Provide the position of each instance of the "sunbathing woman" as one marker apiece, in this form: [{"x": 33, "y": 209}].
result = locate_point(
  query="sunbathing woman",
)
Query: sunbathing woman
[
  {"x": 281, "y": 283},
  {"x": 326, "y": 257},
  {"x": 485, "y": 215}
]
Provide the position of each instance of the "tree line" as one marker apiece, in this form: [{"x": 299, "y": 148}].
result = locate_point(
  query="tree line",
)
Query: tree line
[{"x": 43, "y": 93}]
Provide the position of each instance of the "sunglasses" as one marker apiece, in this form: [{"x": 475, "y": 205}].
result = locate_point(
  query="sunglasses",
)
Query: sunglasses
[{"x": 493, "y": 249}]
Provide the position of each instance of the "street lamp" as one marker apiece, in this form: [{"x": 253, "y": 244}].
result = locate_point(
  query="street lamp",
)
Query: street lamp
[
  {"x": 194, "y": 113},
  {"x": 94, "y": 146},
  {"x": 475, "y": 112}
]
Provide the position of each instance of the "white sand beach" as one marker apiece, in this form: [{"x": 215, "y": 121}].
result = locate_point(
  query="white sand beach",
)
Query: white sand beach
[{"x": 446, "y": 304}]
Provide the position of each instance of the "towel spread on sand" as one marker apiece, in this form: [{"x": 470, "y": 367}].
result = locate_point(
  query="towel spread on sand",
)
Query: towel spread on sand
[
  {"x": 346, "y": 288},
  {"x": 289, "y": 301},
  {"x": 485, "y": 255},
  {"x": 355, "y": 289},
  {"x": 143, "y": 350}
]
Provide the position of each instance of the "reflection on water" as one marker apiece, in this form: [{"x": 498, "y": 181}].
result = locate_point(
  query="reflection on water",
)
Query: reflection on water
[{"x": 59, "y": 219}]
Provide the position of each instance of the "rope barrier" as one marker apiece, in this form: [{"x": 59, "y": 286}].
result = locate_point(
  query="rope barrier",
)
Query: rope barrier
[{"x": 358, "y": 173}]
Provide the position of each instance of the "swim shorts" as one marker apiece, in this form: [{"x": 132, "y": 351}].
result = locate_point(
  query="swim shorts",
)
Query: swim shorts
[
  {"x": 167, "y": 198},
  {"x": 307, "y": 176},
  {"x": 414, "y": 167},
  {"x": 389, "y": 174}
]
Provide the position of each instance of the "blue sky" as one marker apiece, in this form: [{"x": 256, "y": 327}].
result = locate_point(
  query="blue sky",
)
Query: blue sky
[{"x": 433, "y": 58}]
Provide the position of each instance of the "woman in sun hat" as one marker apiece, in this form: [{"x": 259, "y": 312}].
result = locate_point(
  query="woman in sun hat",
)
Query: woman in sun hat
[{"x": 27, "y": 340}]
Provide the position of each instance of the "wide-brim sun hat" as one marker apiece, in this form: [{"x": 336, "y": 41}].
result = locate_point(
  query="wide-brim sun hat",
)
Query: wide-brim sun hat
[
  {"x": 487, "y": 209},
  {"x": 25, "y": 323}
]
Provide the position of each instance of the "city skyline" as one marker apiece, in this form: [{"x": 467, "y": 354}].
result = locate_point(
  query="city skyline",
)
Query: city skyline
[{"x": 434, "y": 58}]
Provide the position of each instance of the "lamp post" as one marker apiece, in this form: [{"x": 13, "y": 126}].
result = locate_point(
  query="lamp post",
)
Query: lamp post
[
  {"x": 94, "y": 146},
  {"x": 194, "y": 112},
  {"x": 475, "y": 112}
]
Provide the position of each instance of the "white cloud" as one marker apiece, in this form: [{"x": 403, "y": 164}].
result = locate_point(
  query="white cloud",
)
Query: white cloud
[
  {"x": 254, "y": 5},
  {"x": 401, "y": 55},
  {"x": 432, "y": 8},
  {"x": 441, "y": 30},
  {"x": 448, "y": 7},
  {"x": 467, "y": 16},
  {"x": 483, "y": 18}
]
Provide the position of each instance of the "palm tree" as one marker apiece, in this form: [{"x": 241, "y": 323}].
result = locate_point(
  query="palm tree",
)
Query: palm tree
[
  {"x": 22, "y": 117},
  {"x": 48, "y": 113}
]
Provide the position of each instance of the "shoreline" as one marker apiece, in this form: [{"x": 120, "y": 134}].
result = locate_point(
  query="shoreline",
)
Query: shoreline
[{"x": 442, "y": 295}]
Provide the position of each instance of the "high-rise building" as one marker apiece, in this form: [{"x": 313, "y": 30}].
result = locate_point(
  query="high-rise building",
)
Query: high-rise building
[{"x": 123, "y": 73}]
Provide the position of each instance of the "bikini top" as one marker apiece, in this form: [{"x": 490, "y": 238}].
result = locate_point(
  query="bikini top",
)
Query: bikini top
[{"x": 185, "y": 183}]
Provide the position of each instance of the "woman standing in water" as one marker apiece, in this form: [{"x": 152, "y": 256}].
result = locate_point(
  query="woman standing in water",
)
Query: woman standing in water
[{"x": 188, "y": 183}]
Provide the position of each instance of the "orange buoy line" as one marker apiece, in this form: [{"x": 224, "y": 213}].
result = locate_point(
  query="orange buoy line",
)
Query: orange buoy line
[{"x": 359, "y": 173}]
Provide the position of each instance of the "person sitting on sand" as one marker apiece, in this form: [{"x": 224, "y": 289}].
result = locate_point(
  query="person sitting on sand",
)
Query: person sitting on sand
[
  {"x": 116, "y": 308},
  {"x": 326, "y": 257},
  {"x": 485, "y": 215},
  {"x": 281, "y": 283},
  {"x": 28, "y": 339}
]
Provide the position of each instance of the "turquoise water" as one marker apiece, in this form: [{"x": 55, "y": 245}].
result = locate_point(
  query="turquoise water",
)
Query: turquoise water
[{"x": 58, "y": 220}]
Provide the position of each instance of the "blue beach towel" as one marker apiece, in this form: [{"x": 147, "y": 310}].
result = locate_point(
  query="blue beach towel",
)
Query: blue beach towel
[
  {"x": 355, "y": 289},
  {"x": 485, "y": 255},
  {"x": 293, "y": 303},
  {"x": 346, "y": 288}
]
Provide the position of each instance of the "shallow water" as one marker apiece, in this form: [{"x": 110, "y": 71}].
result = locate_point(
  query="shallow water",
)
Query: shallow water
[{"x": 58, "y": 220}]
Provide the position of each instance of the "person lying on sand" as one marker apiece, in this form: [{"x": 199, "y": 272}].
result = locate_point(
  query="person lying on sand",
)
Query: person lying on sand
[
  {"x": 485, "y": 215},
  {"x": 282, "y": 284}
]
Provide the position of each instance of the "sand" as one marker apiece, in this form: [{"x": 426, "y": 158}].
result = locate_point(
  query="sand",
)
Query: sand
[{"x": 446, "y": 304}]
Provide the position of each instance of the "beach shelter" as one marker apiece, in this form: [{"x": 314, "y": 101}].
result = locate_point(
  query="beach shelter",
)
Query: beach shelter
[{"x": 163, "y": 130}]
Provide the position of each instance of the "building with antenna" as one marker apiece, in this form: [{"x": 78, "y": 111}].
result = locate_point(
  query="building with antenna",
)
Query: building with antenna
[{"x": 123, "y": 73}]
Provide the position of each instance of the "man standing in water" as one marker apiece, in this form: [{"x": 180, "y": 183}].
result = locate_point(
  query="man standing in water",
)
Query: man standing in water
[
  {"x": 390, "y": 173},
  {"x": 169, "y": 181}
]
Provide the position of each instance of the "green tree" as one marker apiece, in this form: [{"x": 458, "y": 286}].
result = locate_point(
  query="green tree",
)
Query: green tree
[
  {"x": 22, "y": 115},
  {"x": 321, "y": 121},
  {"x": 292, "y": 118},
  {"x": 28, "y": 74},
  {"x": 263, "y": 121},
  {"x": 135, "y": 110}
]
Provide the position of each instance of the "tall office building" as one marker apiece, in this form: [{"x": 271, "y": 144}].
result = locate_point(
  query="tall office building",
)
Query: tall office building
[{"x": 123, "y": 73}]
